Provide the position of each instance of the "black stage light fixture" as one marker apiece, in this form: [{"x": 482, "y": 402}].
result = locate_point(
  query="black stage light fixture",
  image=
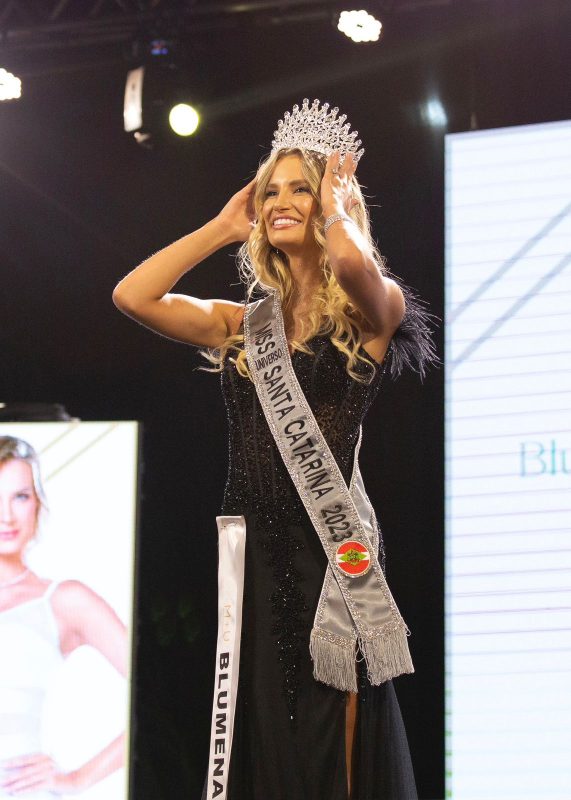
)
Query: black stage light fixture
[{"x": 156, "y": 94}]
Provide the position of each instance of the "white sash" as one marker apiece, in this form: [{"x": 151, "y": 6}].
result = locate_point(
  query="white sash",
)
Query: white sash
[{"x": 231, "y": 543}]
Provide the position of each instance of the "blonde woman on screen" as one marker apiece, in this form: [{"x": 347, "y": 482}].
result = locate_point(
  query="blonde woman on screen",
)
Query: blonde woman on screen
[{"x": 41, "y": 623}]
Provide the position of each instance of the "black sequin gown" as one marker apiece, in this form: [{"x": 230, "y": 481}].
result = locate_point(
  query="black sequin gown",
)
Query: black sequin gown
[{"x": 289, "y": 730}]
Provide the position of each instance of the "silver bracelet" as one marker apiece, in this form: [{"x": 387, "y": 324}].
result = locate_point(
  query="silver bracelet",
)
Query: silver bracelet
[{"x": 335, "y": 218}]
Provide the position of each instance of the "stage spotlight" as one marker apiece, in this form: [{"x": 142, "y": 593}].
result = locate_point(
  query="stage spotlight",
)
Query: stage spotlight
[
  {"x": 434, "y": 114},
  {"x": 157, "y": 104},
  {"x": 360, "y": 26},
  {"x": 184, "y": 119},
  {"x": 10, "y": 85}
]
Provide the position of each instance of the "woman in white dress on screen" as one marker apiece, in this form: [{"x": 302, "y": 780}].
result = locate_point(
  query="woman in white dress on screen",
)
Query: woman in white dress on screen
[{"x": 41, "y": 623}]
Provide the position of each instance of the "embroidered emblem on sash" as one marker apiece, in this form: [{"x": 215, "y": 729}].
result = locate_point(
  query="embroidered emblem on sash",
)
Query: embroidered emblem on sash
[{"x": 353, "y": 559}]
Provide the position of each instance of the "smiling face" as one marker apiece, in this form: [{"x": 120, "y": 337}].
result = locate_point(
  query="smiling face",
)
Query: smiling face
[
  {"x": 289, "y": 208},
  {"x": 19, "y": 507}
]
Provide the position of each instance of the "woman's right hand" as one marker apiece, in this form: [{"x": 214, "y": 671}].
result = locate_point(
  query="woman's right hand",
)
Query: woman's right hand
[{"x": 238, "y": 215}]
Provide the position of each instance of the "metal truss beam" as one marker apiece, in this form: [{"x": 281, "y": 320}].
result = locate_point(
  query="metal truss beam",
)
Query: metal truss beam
[
  {"x": 32, "y": 25},
  {"x": 56, "y": 25}
]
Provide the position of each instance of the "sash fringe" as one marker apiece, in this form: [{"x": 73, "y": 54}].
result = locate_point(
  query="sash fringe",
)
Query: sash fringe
[
  {"x": 333, "y": 664},
  {"x": 386, "y": 656}
]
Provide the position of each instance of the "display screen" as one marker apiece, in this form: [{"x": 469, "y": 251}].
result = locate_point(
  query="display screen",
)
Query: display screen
[
  {"x": 68, "y": 499},
  {"x": 508, "y": 463}
]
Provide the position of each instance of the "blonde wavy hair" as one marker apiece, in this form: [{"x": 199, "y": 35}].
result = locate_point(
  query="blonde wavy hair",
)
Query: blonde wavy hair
[{"x": 262, "y": 266}]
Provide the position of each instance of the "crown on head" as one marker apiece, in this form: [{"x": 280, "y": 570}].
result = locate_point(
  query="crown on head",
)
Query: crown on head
[{"x": 315, "y": 128}]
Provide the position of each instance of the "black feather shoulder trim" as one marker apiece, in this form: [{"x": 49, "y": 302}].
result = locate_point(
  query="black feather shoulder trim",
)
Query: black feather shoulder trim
[{"x": 412, "y": 345}]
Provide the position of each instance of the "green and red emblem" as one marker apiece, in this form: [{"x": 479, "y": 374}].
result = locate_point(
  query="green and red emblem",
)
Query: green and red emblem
[{"x": 353, "y": 558}]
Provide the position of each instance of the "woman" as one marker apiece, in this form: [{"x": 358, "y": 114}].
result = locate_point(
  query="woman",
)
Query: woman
[
  {"x": 41, "y": 623},
  {"x": 307, "y": 241}
]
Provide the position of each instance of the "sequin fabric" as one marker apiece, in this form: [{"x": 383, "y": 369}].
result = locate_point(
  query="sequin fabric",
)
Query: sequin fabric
[{"x": 260, "y": 487}]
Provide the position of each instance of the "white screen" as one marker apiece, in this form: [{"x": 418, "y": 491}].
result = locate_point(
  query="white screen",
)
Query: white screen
[
  {"x": 71, "y": 708},
  {"x": 508, "y": 463}
]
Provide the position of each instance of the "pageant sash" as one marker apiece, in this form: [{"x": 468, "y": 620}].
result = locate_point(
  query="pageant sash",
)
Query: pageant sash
[
  {"x": 356, "y": 605},
  {"x": 231, "y": 549}
]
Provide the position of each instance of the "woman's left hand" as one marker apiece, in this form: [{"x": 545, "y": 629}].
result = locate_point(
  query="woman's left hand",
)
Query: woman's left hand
[
  {"x": 336, "y": 188},
  {"x": 34, "y": 773}
]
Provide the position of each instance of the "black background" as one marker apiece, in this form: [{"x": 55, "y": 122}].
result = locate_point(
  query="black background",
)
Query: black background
[{"x": 81, "y": 204}]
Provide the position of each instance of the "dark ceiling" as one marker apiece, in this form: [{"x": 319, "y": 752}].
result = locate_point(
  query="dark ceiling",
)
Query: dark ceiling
[{"x": 84, "y": 24}]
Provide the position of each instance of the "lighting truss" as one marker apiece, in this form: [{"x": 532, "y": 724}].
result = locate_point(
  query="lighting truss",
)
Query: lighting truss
[{"x": 49, "y": 25}]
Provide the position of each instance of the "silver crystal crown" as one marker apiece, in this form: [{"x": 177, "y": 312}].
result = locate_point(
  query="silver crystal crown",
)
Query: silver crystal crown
[{"x": 315, "y": 128}]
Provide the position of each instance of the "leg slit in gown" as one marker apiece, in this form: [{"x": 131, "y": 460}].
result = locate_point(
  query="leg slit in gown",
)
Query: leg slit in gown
[{"x": 351, "y": 712}]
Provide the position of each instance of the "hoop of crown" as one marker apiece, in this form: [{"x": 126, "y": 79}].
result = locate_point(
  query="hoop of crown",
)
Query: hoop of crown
[{"x": 316, "y": 128}]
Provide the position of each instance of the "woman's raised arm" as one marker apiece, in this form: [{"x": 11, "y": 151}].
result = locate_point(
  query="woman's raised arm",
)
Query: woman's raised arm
[
  {"x": 378, "y": 298},
  {"x": 144, "y": 294}
]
